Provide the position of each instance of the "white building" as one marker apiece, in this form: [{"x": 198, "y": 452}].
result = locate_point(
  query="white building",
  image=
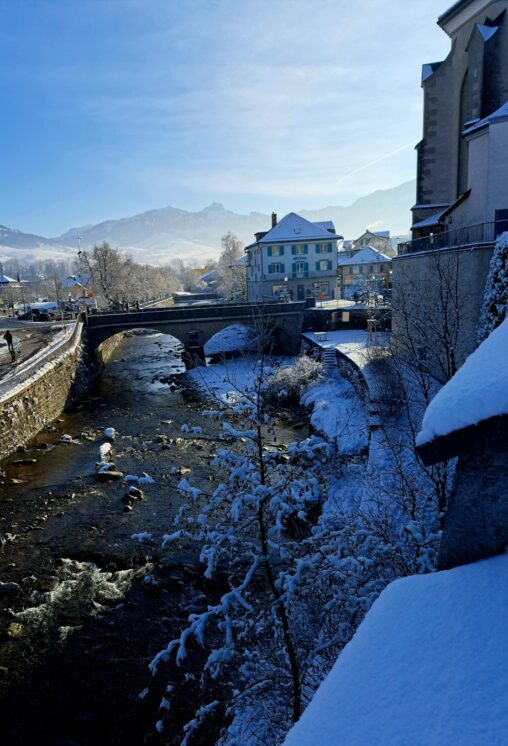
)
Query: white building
[{"x": 295, "y": 259}]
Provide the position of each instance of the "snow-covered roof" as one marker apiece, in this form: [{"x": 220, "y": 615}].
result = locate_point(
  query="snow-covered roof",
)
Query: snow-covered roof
[
  {"x": 368, "y": 255},
  {"x": 431, "y": 220},
  {"x": 424, "y": 667},
  {"x": 496, "y": 116},
  {"x": 326, "y": 225},
  {"x": 476, "y": 394},
  {"x": 241, "y": 261},
  {"x": 5, "y": 280},
  {"x": 293, "y": 227}
]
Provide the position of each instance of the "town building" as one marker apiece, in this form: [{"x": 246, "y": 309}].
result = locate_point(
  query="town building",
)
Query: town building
[
  {"x": 295, "y": 259},
  {"x": 363, "y": 271},
  {"x": 463, "y": 155},
  {"x": 462, "y": 191},
  {"x": 379, "y": 240}
]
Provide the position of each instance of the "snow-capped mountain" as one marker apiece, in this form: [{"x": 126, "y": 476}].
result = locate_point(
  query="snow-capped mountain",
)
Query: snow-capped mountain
[{"x": 159, "y": 236}]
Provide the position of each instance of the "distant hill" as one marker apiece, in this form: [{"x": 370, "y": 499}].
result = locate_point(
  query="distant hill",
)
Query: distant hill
[{"x": 158, "y": 236}]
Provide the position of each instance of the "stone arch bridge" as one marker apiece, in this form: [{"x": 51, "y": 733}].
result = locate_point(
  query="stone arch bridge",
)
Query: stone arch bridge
[{"x": 193, "y": 326}]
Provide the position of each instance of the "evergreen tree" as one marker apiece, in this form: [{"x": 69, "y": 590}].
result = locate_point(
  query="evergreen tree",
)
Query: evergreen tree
[{"x": 495, "y": 302}]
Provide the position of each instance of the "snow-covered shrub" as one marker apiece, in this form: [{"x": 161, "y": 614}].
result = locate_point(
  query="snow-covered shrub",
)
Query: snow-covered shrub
[
  {"x": 495, "y": 300},
  {"x": 289, "y": 382}
]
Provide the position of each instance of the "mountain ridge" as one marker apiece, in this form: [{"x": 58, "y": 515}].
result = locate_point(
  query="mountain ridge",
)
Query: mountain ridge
[{"x": 162, "y": 234}]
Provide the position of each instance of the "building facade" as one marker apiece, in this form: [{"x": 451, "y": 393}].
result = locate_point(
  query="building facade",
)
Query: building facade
[
  {"x": 462, "y": 191},
  {"x": 362, "y": 272},
  {"x": 461, "y": 94},
  {"x": 295, "y": 259}
]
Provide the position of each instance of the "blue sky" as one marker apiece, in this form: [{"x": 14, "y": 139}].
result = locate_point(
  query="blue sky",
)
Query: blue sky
[{"x": 113, "y": 107}]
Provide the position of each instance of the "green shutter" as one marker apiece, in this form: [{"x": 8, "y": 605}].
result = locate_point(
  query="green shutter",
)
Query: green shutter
[
  {"x": 282, "y": 250},
  {"x": 269, "y": 251},
  {"x": 317, "y": 266},
  {"x": 305, "y": 248},
  {"x": 329, "y": 247},
  {"x": 329, "y": 264},
  {"x": 293, "y": 249}
]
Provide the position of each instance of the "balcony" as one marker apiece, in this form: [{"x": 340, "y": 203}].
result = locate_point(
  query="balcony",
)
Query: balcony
[
  {"x": 468, "y": 235},
  {"x": 299, "y": 275}
]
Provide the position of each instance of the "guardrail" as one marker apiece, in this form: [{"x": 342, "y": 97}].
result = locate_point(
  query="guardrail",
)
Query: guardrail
[
  {"x": 24, "y": 371},
  {"x": 469, "y": 235}
]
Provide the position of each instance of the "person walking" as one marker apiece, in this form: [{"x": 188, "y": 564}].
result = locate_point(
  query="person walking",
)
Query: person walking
[{"x": 10, "y": 344}]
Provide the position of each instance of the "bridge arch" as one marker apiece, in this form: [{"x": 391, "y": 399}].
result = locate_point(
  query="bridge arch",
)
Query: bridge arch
[{"x": 193, "y": 326}]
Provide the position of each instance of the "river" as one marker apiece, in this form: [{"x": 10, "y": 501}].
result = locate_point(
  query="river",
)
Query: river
[{"x": 85, "y": 606}]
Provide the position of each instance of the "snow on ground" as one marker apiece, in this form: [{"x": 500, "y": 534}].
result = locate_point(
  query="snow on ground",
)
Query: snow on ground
[
  {"x": 477, "y": 391},
  {"x": 354, "y": 343},
  {"x": 425, "y": 668},
  {"x": 236, "y": 337},
  {"x": 338, "y": 415},
  {"x": 228, "y": 380}
]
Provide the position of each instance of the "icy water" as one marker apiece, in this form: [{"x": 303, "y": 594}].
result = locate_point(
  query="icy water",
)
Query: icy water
[{"x": 91, "y": 606}]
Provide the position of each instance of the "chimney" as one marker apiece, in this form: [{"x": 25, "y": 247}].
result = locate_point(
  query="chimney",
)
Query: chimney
[{"x": 274, "y": 219}]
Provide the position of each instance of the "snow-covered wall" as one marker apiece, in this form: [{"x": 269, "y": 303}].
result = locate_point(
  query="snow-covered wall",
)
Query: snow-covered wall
[{"x": 426, "y": 666}]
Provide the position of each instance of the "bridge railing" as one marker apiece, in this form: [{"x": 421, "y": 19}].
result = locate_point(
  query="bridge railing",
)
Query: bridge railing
[
  {"x": 24, "y": 371},
  {"x": 189, "y": 313}
]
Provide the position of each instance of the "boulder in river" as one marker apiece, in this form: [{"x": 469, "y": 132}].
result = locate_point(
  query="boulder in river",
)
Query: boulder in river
[
  {"x": 8, "y": 587},
  {"x": 109, "y": 476}
]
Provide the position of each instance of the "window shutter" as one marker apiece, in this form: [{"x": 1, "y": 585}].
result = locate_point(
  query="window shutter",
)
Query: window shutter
[
  {"x": 305, "y": 266},
  {"x": 329, "y": 247},
  {"x": 317, "y": 266},
  {"x": 329, "y": 264},
  {"x": 269, "y": 251},
  {"x": 305, "y": 248},
  {"x": 282, "y": 250}
]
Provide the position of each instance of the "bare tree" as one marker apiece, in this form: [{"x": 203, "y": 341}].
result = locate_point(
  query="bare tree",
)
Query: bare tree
[{"x": 229, "y": 284}]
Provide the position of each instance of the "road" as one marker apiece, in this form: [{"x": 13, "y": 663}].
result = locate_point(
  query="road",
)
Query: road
[{"x": 33, "y": 336}]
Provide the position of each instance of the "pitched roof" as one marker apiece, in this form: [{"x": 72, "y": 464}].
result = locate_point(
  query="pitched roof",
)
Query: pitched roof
[
  {"x": 368, "y": 255},
  {"x": 293, "y": 227},
  {"x": 4, "y": 280},
  {"x": 472, "y": 407},
  {"x": 496, "y": 116}
]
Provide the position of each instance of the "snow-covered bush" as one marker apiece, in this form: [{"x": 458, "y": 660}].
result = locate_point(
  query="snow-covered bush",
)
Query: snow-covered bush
[
  {"x": 495, "y": 301},
  {"x": 289, "y": 382}
]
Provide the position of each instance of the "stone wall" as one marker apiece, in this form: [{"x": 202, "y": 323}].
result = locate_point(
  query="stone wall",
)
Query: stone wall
[
  {"x": 436, "y": 301},
  {"x": 40, "y": 399},
  {"x": 104, "y": 351}
]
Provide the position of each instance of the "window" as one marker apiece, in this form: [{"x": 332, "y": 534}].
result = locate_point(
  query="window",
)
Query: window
[
  {"x": 298, "y": 249},
  {"x": 275, "y": 250},
  {"x": 324, "y": 265},
  {"x": 276, "y": 268},
  {"x": 300, "y": 269},
  {"x": 324, "y": 248}
]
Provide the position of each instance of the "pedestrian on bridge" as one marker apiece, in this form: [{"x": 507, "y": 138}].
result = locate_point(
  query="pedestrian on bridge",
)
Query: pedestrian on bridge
[{"x": 10, "y": 344}]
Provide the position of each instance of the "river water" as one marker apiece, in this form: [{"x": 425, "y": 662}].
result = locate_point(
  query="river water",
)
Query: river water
[{"x": 92, "y": 605}]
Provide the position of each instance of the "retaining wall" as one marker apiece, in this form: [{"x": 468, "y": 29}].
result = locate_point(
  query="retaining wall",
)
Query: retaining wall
[{"x": 55, "y": 385}]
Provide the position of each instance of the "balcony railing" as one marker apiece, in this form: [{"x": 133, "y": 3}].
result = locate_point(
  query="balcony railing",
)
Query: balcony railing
[
  {"x": 468, "y": 235},
  {"x": 299, "y": 275}
]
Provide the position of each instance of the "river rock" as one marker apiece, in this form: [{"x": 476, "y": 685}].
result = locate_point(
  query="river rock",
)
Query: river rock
[
  {"x": 109, "y": 476},
  {"x": 16, "y": 630},
  {"x": 10, "y": 587},
  {"x": 136, "y": 493},
  {"x": 24, "y": 461}
]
